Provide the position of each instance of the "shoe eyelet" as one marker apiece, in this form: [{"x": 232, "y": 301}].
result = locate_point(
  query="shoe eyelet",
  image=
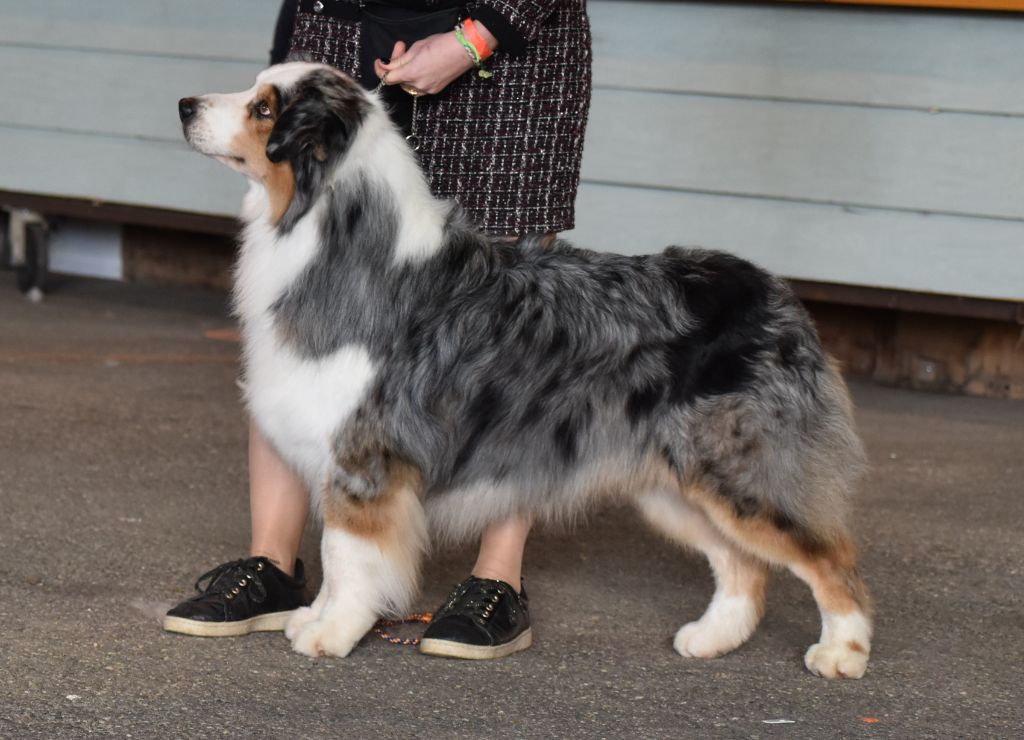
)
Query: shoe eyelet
[
  {"x": 259, "y": 566},
  {"x": 235, "y": 591}
]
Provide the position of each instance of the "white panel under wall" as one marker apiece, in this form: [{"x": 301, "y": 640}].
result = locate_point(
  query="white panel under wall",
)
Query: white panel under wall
[{"x": 86, "y": 248}]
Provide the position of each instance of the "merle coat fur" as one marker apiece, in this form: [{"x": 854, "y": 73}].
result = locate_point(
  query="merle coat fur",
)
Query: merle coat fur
[{"x": 498, "y": 379}]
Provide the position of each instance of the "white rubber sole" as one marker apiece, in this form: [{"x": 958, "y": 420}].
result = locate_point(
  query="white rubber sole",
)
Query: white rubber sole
[
  {"x": 449, "y": 649},
  {"x": 263, "y": 623}
]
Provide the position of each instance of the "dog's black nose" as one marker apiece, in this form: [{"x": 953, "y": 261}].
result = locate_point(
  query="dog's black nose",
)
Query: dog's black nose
[{"x": 187, "y": 108}]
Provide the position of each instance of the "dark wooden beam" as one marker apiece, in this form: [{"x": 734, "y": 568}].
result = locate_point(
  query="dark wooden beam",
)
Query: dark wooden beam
[
  {"x": 910, "y": 301},
  {"x": 849, "y": 295},
  {"x": 98, "y": 210}
]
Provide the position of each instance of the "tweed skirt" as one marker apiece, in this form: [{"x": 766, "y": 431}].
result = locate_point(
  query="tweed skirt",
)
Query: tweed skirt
[{"x": 508, "y": 149}]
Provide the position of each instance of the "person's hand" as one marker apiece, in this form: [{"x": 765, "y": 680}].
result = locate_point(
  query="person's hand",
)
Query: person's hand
[{"x": 428, "y": 66}]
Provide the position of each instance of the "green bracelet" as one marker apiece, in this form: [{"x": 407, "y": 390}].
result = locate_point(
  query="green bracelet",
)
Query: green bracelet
[{"x": 481, "y": 71}]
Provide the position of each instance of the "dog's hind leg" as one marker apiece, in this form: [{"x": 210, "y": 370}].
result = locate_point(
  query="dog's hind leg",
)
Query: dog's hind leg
[
  {"x": 371, "y": 552},
  {"x": 824, "y": 561},
  {"x": 740, "y": 580}
]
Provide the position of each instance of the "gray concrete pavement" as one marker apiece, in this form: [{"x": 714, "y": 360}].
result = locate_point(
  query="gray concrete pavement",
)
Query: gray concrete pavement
[{"x": 122, "y": 477}]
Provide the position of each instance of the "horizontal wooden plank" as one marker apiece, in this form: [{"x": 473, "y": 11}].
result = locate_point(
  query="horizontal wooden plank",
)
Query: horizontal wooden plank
[
  {"x": 82, "y": 209},
  {"x": 73, "y": 90},
  {"x": 157, "y": 174},
  {"x": 934, "y": 254},
  {"x": 850, "y": 55},
  {"x": 829, "y": 54},
  {"x": 900, "y": 159},
  {"x": 885, "y": 158},
  {"x": 940, "y": 254},
  {"x": 232, "y": 29}
]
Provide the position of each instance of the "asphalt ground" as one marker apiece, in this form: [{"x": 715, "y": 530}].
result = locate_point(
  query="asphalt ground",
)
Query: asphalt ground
[{"x": 123, "y": 477}]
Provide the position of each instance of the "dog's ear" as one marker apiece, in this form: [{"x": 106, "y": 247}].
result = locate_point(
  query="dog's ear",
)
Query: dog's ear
[{"x": 319, "y": 118}]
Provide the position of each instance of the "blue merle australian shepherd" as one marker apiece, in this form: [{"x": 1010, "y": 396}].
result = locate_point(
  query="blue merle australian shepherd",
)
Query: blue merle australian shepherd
[{"x": 427, "y": 381}]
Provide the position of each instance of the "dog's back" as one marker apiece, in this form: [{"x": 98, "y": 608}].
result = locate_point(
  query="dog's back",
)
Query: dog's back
[{"x": 529, "y": 376}]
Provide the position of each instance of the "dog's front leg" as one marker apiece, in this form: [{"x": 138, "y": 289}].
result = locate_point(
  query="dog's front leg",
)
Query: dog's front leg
[{"x": 371, "y": 550}]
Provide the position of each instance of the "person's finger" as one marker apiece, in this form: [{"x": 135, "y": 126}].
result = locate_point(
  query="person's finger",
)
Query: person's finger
[
  {"x": 400, "y": 58},
  {"x": 380, "y": 66}
]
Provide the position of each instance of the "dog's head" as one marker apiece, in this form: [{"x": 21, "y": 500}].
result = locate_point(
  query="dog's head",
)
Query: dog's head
[{"x": 286, "y": 132}]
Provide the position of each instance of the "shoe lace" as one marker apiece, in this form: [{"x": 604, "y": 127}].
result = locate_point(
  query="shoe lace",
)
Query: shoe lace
[
  {"x": 475, "y": 599},
  {"x": 230, "y": 579}
]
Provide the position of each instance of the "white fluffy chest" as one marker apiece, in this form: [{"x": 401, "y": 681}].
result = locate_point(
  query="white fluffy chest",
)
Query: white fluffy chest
[{"x": 299, "y": 403}]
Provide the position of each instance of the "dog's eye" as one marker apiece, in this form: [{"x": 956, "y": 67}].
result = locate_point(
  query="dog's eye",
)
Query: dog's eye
[{"x": 263, "y": 110}]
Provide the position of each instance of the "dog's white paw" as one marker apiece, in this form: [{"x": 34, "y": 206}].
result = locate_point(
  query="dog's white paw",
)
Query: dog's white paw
[
  {"x": 299, "y": 619},
  {"x": 727, "y": 624},
  {"x": 702, "y": 640},
  {"x": 837, "y": 660},
  {"x": 331, "y": 635}
]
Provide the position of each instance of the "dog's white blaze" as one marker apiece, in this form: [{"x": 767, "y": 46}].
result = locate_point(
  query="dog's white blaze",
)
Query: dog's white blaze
[{"x": 298, "y": 403}]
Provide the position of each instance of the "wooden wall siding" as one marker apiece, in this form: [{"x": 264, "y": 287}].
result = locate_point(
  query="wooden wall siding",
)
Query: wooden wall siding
[
  {"x": 854, "y": 246},
  {"x": 829, "y": 144},
  {"x": 885, "y": 158},
  {"x": 117, "y": 169},
  {"x": 66, "y": 94},
  {"x": 840, "y": 55},
  {"x": 97, "y": 85},
  {"x": 237, "y": 30}
]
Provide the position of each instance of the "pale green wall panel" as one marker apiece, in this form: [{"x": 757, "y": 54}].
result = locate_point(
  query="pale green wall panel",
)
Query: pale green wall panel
[
  {"x": 907, "y": 159},
  {"x": 226, "y": 29},
  {"x": 817, "y": 116},
  {"x": 856, "y": 246},
  {"x": 967, "y": 61},
  {"x": 119, "y": 170},
  {"x": 91, "y": 92}
]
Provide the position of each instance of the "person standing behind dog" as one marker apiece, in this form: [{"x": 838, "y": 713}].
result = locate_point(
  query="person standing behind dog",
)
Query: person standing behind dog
[{"x": 494, "y": 96}]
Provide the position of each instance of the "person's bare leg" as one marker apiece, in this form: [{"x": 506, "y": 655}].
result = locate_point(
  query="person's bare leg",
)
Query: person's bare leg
[
  {"x": 501, "y": 551},
  {"x": 502, "y": 544},
  {"x": 278, "y": 504}
]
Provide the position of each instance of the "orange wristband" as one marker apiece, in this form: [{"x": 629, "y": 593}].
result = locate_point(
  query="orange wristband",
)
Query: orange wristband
[{"x": 473, "y": 36}]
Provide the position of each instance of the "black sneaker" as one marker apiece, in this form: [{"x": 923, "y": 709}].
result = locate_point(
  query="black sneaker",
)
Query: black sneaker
[
  {"x": 481, "y": 619},
  {"x": 240, "y": 597}
]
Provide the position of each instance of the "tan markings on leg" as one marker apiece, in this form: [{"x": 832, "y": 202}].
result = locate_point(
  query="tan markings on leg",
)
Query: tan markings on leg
[
  {"x": 833, "y": 577},
  {"x": 251, "y": 146},
  {"x": 829, "y": 567},
  {"x": 378, "y": 518}
]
